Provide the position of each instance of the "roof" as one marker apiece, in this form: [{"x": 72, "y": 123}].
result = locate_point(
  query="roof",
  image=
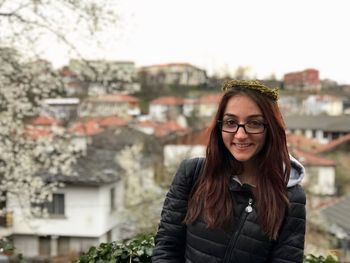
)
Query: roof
[
  {"x": 97, "y": 167},
  {"x": 37, "y": 133},
  {"x": 62, "y": 101},
  {"x": 112, "y": 121},
  {"x": 88, "y": 128},
  {"x": 167, "y": 100},
  {"x": 168, "y": 65},
  {"x": 45, "y": 121},
  {"x": 310, "y": 159},
  {"x": 100, "y": 166},
  {"x": 339, "y": 213},
  {"x": 162, "y": 129},
  {"x": 320, "y": 122},
  {"x": 333, "y": 144},
  {"x": 301, "y": 142},
  {"x": 119, "y": 137},
  {"x": 210, "y": 98},
  {"x": 113, "y": 98}
]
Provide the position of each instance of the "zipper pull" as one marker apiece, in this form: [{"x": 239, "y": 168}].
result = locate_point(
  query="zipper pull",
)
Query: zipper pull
[{"x": 249, "y": 208}]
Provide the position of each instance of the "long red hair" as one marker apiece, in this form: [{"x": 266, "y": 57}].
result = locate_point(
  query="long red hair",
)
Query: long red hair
[{"x": 211, "y": 198}]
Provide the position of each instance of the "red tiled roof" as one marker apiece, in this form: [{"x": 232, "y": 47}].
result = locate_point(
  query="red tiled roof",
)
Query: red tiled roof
[
  {"x": 88, "y": 128},
  {"x": 112, "y": 121},
  {"x": 37, "y": 133},
  {"x": 114, "y": 98},
  {"x": 333, "y": 144},
  {"x": 210, "y": 98},
  {"x": 168, "y": 100},
  {"x": 200, "y": 137},
  {"x": 310, "y": 159},
  {"x": 164, "y": 129},
  {"x": 167, "y": 65},
  {"x": 45, "y": 121},
  {"x": 301, "y": 142}
]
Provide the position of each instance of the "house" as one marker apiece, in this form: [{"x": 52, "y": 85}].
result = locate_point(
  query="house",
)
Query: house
[
  {"x": 305, "y": 80},
  {"x": 320, "y": 173},
  {"x": 290, "y": 105},
  {"x": 122, "y": 106},
  {"x": 107, "y": 76},
  {"x": 207, "y": 105},
  {"x": 322, "y": 127},
  {"x": 74, "y": 86},
  {"x": 161, "y": 129},
  {"x": 323, "y": 104},
  {"x": 180, "y": 74},
  {"x": 64, "y": 109},
  {"x": 81, "y": 214},
  {"x": 112, "y": 197},
  {"x": 336, "y": 216},
  {"x": 165, "y": 108}
]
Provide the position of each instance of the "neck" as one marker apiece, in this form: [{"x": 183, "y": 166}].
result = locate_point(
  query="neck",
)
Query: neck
[{"x": 249, "y": 174}]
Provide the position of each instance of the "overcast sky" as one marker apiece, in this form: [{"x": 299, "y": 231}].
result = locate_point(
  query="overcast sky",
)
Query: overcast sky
[{"x": 269, "y": 36}]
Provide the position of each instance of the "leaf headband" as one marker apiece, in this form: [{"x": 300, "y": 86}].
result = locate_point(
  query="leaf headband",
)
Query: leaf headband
[{"x": 252, "y": 85}]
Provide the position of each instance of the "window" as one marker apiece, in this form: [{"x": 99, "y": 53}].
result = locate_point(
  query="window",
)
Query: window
[
  {"x": 112, "y": 199},
  {"x": 56, "y": 206}
]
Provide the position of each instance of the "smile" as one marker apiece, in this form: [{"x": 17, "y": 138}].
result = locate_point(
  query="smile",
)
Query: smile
[{"x": 242, "y": 145}]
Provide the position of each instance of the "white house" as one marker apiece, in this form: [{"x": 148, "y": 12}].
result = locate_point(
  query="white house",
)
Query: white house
[
  {"x": 207, "y": 105},
  {"x": 323, "y": 128},
  {"x": 174, "y": 73},
  {"x": 107, "y": 76},
  {"x": 320, "y": 173},
  {"x": 165, "y": 108},
  {"x": 110, "y": 105},
  {"x": 79, "y": 216},
  {"x": 323, "y": 104},
  {"x": 61, "y": 108},
  {"x": 111, "y": 198}
]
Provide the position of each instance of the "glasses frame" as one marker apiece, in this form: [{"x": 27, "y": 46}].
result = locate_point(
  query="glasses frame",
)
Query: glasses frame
[{"x": 220, "y": 122}]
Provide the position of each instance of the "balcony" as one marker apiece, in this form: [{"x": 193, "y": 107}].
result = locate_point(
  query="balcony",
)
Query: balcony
[{"x": 6, "y": 222}]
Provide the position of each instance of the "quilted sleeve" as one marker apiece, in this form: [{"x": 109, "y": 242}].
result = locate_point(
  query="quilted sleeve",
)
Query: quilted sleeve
[
  {"x": 171, "y": 236},
  {"x": 289, "y": 246}
]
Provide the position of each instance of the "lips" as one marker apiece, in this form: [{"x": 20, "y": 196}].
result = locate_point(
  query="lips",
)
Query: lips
[{"x": 242, "y": 145}]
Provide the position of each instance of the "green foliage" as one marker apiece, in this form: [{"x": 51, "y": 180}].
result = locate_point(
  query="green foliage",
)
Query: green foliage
[
  {"x": 136, "y": 250},
  {"x": 320, "y": 259},
  {"x": 6, "y": 246},
  {"x": 140, "y": 250}
]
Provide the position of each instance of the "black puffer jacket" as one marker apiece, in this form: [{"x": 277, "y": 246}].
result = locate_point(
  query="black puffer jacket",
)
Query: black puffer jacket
[{"x": 245, "y": 242}]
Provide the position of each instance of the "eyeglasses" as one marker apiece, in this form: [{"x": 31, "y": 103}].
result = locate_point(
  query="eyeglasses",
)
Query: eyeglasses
[{"x": 250, "y": 127}]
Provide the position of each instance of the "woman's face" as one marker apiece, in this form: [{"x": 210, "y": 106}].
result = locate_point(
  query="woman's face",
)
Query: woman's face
[{"x": 241, "y": 109}]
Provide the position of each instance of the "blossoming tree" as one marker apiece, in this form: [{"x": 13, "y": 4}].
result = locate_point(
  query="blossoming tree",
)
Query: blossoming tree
[{"x": 25, "y": 80}]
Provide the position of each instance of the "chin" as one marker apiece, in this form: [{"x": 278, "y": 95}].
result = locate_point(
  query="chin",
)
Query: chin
[{"x": 241, "y": 158}]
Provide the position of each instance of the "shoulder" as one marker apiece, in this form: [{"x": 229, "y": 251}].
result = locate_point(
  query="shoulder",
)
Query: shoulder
[
  {"x": 192, "y": 163},
  {"x": 297, "y": 201},
  {"x": 296, "y": 194},
  {"x": 188, "y": 171}
]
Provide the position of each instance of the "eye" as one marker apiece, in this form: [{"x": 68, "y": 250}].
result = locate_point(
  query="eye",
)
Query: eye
[
  {"x": 230, "y": 122},
  {"x": 255, "y": 123}
]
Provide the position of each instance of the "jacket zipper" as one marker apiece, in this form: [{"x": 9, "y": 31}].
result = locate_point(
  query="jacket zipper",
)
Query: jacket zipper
[{"x": 232, "y": 243}]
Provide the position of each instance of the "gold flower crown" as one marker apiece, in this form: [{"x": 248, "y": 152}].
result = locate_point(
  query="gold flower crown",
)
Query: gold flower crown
[{"x": 253, "y": 85}]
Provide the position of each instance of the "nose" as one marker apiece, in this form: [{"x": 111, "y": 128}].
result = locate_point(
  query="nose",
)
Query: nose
[{"x": 241, "y": 133}]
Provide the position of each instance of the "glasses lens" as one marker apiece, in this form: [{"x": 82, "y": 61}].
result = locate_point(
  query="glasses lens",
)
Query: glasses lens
[
  {"x": 229, "y": 126},
  {"x": 254, "y": 127},
  {"x": 251, "y": 127}
]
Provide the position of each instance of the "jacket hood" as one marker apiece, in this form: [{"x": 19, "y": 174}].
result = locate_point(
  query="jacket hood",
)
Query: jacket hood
[{"x": 297, "y": 172}]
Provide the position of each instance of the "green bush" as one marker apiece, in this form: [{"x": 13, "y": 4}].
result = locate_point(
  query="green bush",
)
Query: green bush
[
  {"x": 140, "y": 250},
  {"x": 320, "y": 259}
]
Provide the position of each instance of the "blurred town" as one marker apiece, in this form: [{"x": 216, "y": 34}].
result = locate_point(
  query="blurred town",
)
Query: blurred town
[{"x": 135, "y": 125}]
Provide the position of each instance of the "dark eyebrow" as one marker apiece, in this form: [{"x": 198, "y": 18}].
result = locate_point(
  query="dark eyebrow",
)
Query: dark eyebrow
[{"x": 250, "y": 116}]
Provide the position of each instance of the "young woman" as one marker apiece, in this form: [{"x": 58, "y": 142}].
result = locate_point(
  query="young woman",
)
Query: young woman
[{"x": 243, "y": 202}]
